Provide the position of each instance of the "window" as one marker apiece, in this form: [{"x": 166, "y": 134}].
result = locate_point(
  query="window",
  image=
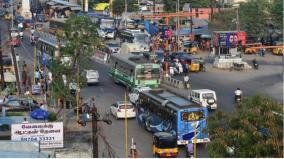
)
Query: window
[
  {"x": 207, "y": 95},
  {"x": 192, "y": 116},
  {"x": 13, "y": 103},
  {"x": 127, "y": 106}
]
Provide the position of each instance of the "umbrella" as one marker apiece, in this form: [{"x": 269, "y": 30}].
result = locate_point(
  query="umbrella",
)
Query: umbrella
[{"x": 39, "y": 114}]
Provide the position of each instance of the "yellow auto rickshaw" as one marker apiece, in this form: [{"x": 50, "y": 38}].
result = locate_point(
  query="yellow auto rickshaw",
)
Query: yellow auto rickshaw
[
  {"x": 8, "y": 16},
  {"x": 250, "y": 48},
  {"x": 164, "y": 145},
  {"x": 278, "y": 51},
  {"x": 189, "y": 47},
  {"x": 193, "y": 63}
]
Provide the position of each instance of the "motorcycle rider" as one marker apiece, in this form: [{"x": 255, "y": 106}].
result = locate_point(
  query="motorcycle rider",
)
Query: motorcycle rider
[
  {"x": 238, "y": 94},
  {"x": 32, "y": 38},
  {"x": 255, "y": 64},
  {"x": 21, "y": 34}
]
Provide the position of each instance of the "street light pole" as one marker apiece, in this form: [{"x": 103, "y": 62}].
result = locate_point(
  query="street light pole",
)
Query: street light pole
[
  {"x": 95, "y": 132},
  {"x": 125, "y": 10},
  {"x": 12, "y": 19},
  {"x": 1, "y": 64}
]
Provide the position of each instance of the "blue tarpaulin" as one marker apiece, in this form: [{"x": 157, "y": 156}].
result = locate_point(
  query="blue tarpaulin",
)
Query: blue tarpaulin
[{"x": 150, "y": 28}]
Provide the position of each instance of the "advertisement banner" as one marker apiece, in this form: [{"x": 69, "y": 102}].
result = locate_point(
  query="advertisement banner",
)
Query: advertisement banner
[
  {"x": 50, "y": 135},
  {"x": 229, "y": 39}
]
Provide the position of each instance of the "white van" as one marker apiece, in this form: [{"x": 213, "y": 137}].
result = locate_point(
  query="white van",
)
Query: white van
[
  {"x": 92, "y": 76},
  {"x": 205, "y": 97}
]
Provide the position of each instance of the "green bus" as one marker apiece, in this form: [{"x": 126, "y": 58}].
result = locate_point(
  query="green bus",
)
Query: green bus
[{"x": 133, "y": 71}]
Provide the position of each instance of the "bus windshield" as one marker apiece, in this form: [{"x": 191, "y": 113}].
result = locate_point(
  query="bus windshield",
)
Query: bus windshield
[
  {"x": 192, "y": 116},
  {"x": 147, "y": 73},
  {"x": 107, "y": 23}
]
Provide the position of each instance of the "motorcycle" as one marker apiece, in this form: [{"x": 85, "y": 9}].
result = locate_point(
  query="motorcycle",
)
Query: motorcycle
[
  {"x": 21, "y": 35},
  {"x": 238, "y": 98},
  {"x": 255, "y": 64}
]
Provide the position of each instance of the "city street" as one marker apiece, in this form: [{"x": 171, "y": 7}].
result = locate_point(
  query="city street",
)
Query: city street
[{"x": 268, "y": 79}]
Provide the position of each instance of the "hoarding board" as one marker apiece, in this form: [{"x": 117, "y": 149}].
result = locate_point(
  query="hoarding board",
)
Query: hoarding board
[
  {"x": 50, "y": 135},
  {"x": 229, "y": 39}
]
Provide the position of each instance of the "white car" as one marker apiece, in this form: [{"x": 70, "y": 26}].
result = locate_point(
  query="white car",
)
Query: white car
[
  {"x": 92, "y": 76},
  {"x": 117, "y": 109},
  {"x": 204, "y": 97},
  {"x": 134, "y": 95}
]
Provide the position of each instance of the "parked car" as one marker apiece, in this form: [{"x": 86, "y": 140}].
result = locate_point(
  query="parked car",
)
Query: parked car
[
  {"x": 19, "y": 105},
  {"x": 28, "y": 23},
  {"x": 114, "y": 47},
  {"x": 92, "y": 76},
  {"x": 204, "y": 97},
  {"x": 117, "y": 109}
]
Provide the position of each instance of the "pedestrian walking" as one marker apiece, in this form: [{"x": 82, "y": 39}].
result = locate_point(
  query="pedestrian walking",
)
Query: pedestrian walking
[
  {"x": 180, "y": 69},
  {"x": 186, "y": 81},
  {"x": 172, "y": 73}
]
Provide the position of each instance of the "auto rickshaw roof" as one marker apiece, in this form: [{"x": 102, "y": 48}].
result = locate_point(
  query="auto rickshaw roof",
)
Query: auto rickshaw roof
[{"x": 163, "y": 135}]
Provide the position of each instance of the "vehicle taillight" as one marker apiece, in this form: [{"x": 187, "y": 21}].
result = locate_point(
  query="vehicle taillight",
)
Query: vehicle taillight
[{"x": 119, "y": 110}]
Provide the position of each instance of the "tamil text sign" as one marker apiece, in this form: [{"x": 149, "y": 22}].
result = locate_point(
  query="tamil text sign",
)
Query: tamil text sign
[{"x": 50, "y": 135}]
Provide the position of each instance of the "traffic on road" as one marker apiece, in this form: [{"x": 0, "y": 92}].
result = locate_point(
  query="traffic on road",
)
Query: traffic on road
[{"x": 147, "y": 83}]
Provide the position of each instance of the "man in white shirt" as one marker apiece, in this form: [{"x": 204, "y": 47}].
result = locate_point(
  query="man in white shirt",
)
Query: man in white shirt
[{"x": 238, "y": 93}]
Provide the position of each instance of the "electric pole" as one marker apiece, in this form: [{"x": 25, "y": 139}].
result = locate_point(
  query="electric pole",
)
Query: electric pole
[
  {"x": 238, "y": 19},
  {"x": 1, "y": 64}
]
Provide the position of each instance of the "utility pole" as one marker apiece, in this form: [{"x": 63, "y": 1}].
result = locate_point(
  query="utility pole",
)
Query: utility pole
[
  {"x": 95, "y": 132},
  {"x": 154, "y": 9},
  {"x": 190, "y": 10},
  {"x": 16, "y": 69},
  {"x": 238, "y": 19},
  {"x": 125, "y": 10},
  {"x": 1, "y": 64},
  {"x": 178, "y": 25}
]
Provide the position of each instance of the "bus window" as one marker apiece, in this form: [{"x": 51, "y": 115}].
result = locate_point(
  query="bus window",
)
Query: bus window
[{"x": 192, "y": 116}]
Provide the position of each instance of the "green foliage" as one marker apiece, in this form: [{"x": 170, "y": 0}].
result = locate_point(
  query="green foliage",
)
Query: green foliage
[
  {"x": 253, "y": 17},
  {"x": 118, "y": 6},
  {"x": 4, "y": 127},
  {"x": 79, "y": 40},
  {"x": 52, "y": 116},
  {"x": 15, "y": 113},
  {"x": 277, "y": 13},
  {"x": 222, "y": 21},
  {"x": 241, "y": 130},
  {"x": 170, "y": 5}
]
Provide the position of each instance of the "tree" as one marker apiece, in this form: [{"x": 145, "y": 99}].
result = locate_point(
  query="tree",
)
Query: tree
[
  {"x": 253, "y": 17},
  {"x": 254, "y": 129},
  {"x": 277, "y": 13},
  {"x": 79, "y": 40},
  {"x": 224, "y": 20},
  {"x": 118, "y": 6},
  {"x": 170, "y": 5}
]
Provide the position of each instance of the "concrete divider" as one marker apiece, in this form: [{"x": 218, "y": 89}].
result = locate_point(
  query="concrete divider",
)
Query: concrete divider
[{"x": 173, "y": 82}]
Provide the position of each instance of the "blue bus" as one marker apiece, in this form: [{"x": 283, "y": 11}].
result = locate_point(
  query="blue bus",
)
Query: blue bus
[{"x": 163, "y": 111}]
